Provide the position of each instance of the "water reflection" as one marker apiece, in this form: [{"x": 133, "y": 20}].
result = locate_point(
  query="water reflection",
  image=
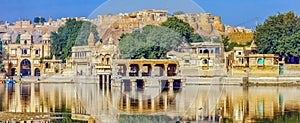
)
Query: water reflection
[{"x": 111, "y": 104}]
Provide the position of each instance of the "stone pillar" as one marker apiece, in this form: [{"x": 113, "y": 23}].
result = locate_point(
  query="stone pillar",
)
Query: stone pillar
[
  {"x": 171, "y": 81},
  {"x": 107, "y": 82},
  {"x": 31, "y": 68},
  {"x": 52, "y": 67},
  {"x": 107, "y": 79},
  {"x": 152, "y": 70},
  {"x": 103, "y": 81},
  {"x": 127, "y": 70},
  {"x": 165, "y": 70},
  {"x": 60, "y": 68},
  {"x": 171, "y": 89},
  {"x": 140, "y": 72},
  {"x": 152, "y": 104},
  {"x": 165, "y": 99}
]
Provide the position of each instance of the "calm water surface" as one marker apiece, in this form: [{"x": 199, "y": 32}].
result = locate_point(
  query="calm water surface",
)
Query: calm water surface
[{"x": 83, "y": 102}]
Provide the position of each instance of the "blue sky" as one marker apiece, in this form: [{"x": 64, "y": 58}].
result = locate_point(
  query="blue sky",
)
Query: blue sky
[{"x": 233, "y": 12}]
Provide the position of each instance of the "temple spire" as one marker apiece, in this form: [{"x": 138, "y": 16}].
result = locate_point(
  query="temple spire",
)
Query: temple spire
[
  {"x": 91, "y": 39},
  {"x": 110, "y": 41}
]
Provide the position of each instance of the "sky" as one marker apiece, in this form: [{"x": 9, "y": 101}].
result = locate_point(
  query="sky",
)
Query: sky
[{"x": 232, "y": 12}]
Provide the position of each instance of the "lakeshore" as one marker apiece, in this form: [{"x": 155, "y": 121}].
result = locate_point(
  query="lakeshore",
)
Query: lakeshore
[{"x": 188, "y": 80}]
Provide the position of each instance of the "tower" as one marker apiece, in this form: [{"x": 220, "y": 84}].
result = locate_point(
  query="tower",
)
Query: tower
[
  {"x": 6, "y": 39},
  {"x": 46, "y": 44},
  {"x": 26, "y": 39},
  {"x": 91, "y": 39},
  {"x": 46, "y": 39}
]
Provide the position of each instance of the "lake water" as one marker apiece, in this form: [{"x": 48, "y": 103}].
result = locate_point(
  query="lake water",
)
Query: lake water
[{"x": 92, "y": 102}]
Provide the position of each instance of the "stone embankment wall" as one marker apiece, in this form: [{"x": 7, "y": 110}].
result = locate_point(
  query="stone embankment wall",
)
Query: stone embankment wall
[{"x": 291, "y": 70}]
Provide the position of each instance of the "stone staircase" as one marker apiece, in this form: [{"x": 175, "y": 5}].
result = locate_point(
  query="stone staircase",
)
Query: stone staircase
[
  {"x": 58, "y": 78},
  {"x": 68, "y": 72}
]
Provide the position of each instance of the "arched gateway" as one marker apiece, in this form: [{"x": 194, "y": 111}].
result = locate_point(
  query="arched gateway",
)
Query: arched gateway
[
  {"x": 37, "y": 72},
  {"x": 25, "y": 68}
]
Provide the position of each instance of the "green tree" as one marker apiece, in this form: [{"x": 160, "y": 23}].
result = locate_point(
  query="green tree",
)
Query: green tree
[
  {"x": 225, "y": 41},
  {"x": 71, "y": 34},
  {"x": 178, "y": 12},
  {"x": 232, "y": 45},
  {"x": 150, "y": 42},
  {"x": 183, "y": 28},
  {"x": 39, "y": 20},
  {"x": 18, "y": 39},
  {"x": 274, "y": 35},
  {"x": 290, "y": 46},
  {"x": 150, "y": 52},
  {"x": 196, "y": 38},
  {"x": 228, "y": 46}
]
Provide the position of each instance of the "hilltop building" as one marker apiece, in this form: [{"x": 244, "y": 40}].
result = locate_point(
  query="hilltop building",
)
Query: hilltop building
[
  {"x": 204, "y": 24},
  {"x": 115, "y": 25}
]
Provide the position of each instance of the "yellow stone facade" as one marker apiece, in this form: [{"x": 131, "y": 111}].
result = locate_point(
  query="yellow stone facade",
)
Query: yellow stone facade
[
  {"x": 244, "y": 61},
  {"x": 240, "y": 37},
  {"x": 204, "y": 23},
  {"x": 204, "y": 59},
  {"x": 115, "y": 25},
  {"x": 93, "y": 59},
  {"x": 26, "y": 53}
]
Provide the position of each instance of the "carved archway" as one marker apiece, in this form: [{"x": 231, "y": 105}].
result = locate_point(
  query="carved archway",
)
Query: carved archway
[
  {"x": 37, "y": 72},
  {"x": 25, "y": 67}
]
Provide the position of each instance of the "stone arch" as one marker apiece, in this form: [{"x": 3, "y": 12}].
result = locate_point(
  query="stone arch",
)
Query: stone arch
[
  {"x": 107, "y": 59},
  {"x": 25, "y": 67},
  {"x": 204, "y": 61},
  {"x": 206, "y": 51},
  {"x": 47, "y": 65},
  {"x": 37, "y": 72},
  {"x": 101, "y": 59}
]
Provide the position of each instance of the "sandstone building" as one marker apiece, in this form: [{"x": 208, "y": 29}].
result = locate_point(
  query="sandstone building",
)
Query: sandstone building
[
  {"x": 245, "y": 61},
  {"x": 24, "y": 58},
  {"x": 94, "y": 59},
  {"x": 203, "y": 59}
]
